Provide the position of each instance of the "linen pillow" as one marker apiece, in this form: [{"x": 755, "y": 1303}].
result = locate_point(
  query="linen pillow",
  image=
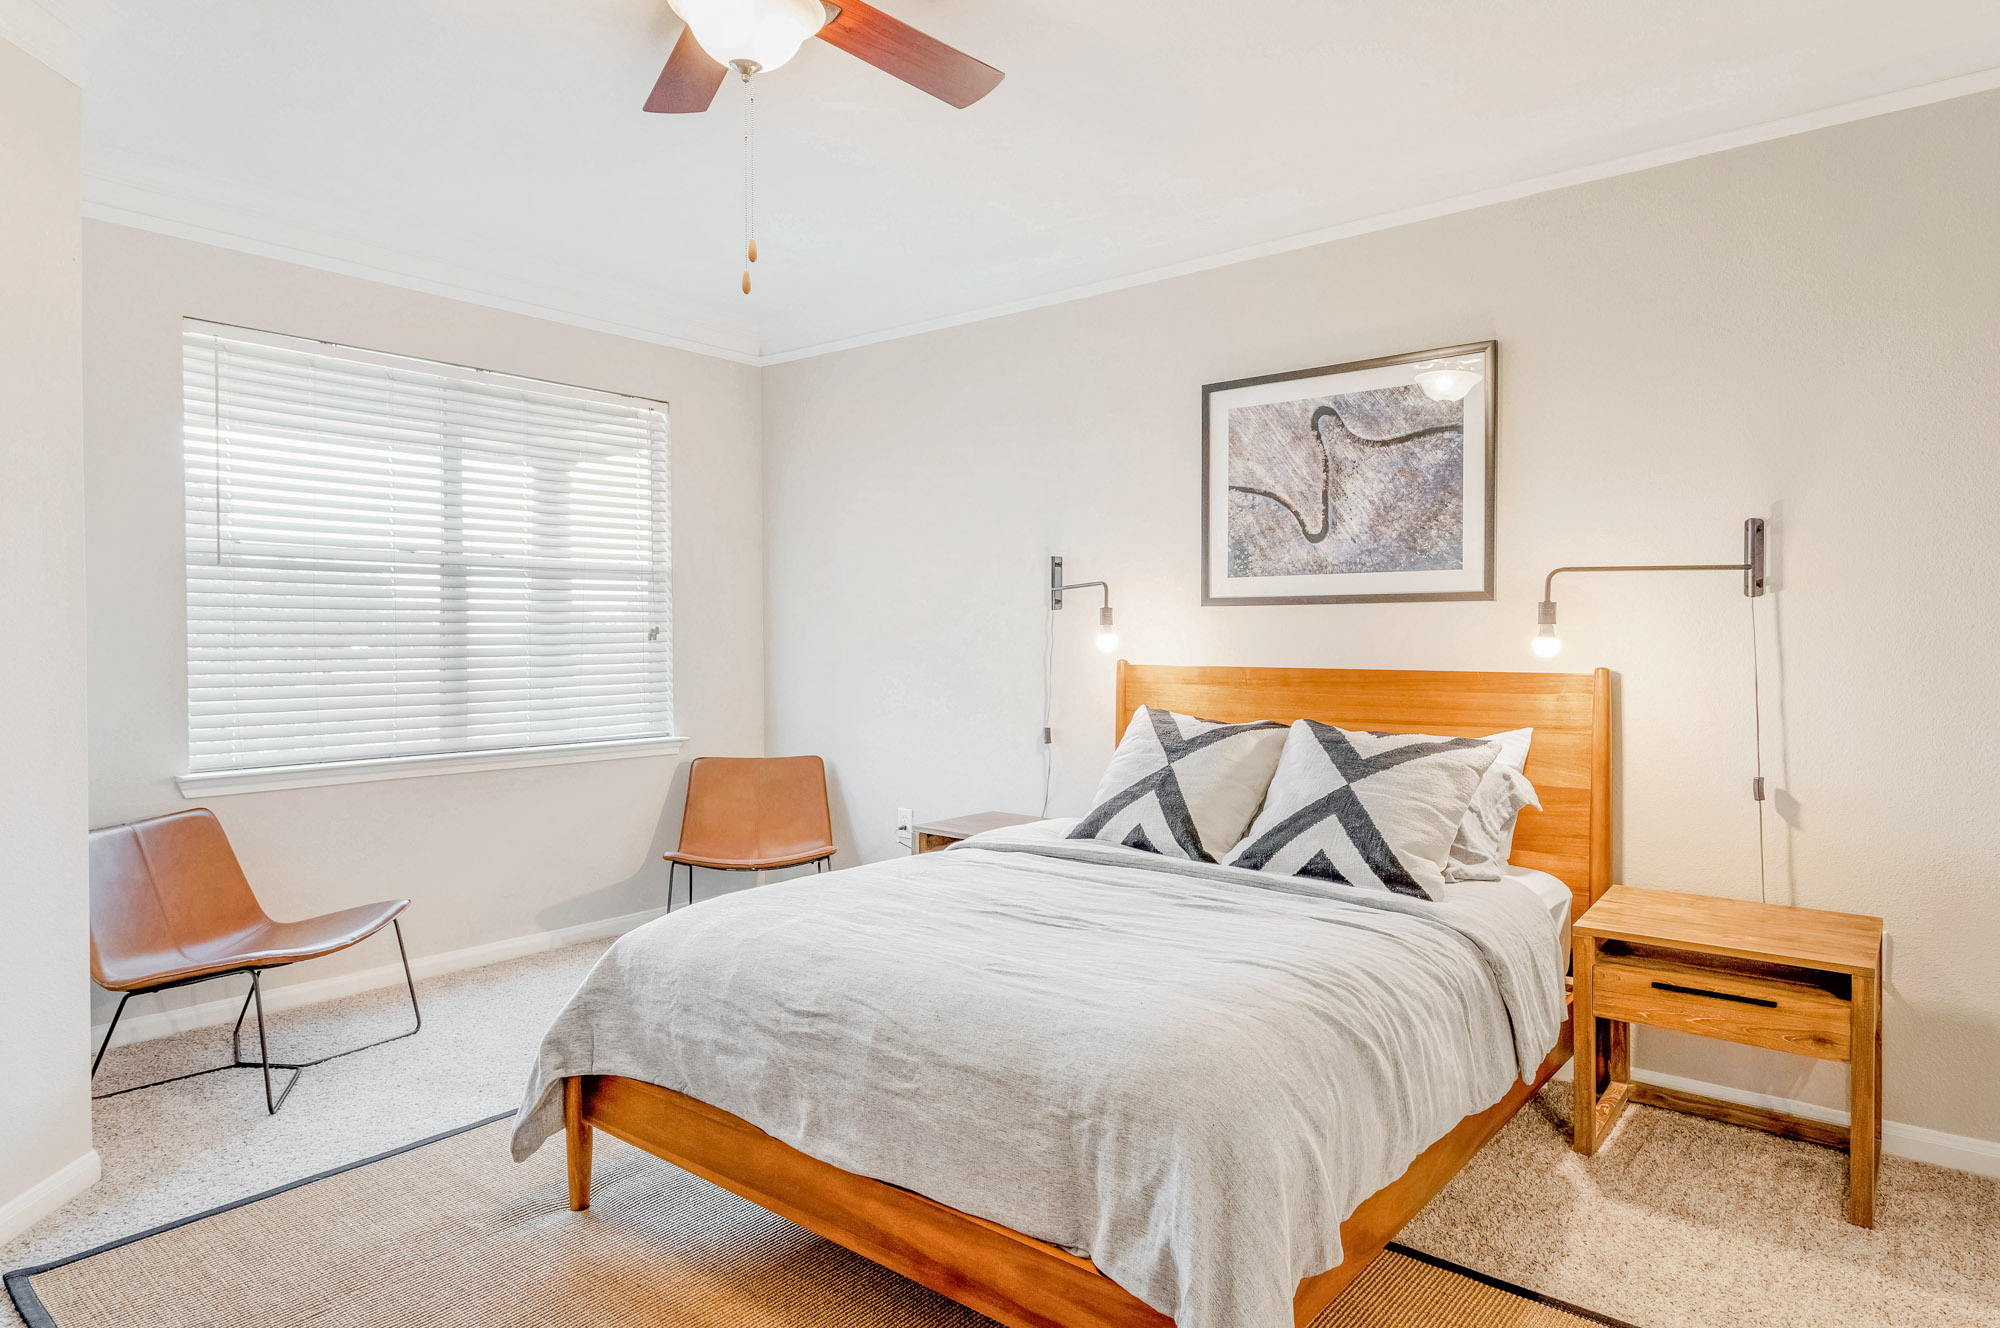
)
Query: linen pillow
[
  {"x": 1377, "y": 810},
  {"x": 1486, "y": 834},
  {"x": 1182, "y": 787}
]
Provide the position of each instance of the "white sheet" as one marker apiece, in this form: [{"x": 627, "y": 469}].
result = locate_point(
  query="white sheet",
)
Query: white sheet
[{"x": 1553, "y": 894}]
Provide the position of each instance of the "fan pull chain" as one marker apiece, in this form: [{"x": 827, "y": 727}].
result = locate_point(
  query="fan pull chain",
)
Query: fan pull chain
[{"x": 749, "y": 178}]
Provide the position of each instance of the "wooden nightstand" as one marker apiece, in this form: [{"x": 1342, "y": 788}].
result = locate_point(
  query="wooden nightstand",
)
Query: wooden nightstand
[
  {"x": 1791, "y": 979},
  {"x": 930, "y": 836}
]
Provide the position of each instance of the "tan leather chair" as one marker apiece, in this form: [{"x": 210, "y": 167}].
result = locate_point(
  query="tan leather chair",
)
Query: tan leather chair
[
  {"x": 169, "y": 906},
  {"x": 753, "y": 813}
]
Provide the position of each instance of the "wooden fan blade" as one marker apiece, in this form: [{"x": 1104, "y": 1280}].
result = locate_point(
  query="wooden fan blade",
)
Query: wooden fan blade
[
  {"x": 689, "y": 81},
  {"x": 894, "y": 47}
]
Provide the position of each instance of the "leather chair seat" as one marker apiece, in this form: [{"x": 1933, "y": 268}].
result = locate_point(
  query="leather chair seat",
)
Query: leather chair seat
[
  {"x": 263, "y": 945},
  {"x": 749, "y": 863}
]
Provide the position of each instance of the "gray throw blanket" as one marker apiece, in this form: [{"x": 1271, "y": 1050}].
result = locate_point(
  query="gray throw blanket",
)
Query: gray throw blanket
[{"x": 1191, "y": 1074}]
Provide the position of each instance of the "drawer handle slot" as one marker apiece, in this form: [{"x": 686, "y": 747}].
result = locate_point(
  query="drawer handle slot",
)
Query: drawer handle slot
[{"x": 1715, "y": 995}]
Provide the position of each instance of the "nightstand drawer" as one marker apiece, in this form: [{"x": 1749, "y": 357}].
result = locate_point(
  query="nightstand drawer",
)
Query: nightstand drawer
[{"x": 1761, "y": 1005}]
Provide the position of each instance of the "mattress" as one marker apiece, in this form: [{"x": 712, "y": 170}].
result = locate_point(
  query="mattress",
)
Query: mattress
[{"x": 1190, "y": 1073}]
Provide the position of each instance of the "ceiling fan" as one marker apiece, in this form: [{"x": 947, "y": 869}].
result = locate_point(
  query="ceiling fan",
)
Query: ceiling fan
[{"x": 756, "y": 36}]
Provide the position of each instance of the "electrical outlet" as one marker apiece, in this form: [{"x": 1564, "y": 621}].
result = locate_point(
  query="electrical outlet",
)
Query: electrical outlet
[{"x": 904, "y": 819}]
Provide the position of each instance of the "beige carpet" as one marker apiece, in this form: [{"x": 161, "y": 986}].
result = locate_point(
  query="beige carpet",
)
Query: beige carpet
[
  {"x": 453, "y": 1234},
  {"x": 1685, "y": 1223},
  {"x": 1676, "y": 1223}
]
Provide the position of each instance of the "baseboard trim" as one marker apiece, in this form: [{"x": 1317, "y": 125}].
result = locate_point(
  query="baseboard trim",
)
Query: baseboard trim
[
  {"x": 1960, "y": 1152},
  {"x": 44, "y": 1197},
  {"x": 289, "y": 996}
]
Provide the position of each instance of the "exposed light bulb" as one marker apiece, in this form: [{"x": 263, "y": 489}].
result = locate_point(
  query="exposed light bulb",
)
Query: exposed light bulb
[
  {"x": 1546, "y": 643},
  {"x": 1441, "y": 382},
  {"x": 762, "y": 34},
  {"x": 1107, "y": 641}
]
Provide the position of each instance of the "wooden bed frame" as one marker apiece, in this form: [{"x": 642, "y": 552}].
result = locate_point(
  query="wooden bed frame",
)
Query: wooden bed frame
[{"x": 1028, "y": 1283}]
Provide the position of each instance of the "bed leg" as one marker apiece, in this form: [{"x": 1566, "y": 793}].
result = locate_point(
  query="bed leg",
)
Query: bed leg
[{"x": 576, "y": 1133}]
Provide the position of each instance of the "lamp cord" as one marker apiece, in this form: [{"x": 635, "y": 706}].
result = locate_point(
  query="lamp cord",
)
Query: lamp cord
[
  {"x": 1048, "y": 699},
  {"x": 1757, "y": 741}
]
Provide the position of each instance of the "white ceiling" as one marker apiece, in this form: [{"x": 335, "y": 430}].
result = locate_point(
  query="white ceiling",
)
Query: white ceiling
[{"x": 495, "y": 150}]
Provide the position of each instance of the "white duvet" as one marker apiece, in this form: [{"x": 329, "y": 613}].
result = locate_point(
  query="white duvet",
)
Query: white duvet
[{"x": 1192, "y": 1074}]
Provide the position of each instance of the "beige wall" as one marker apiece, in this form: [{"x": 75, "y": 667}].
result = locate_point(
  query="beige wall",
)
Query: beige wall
[
  {"x": 1807, "y": 330},
  {"x": 44, "y": 1096},
  {"x": 484, "y": 857}
]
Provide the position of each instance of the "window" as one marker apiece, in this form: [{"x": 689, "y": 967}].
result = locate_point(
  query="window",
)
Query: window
[{"x": 394, "y": 562}]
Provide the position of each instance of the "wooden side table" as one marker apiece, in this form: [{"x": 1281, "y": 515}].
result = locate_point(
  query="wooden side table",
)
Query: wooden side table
[
  {"x": 930, "y": 836},
  {"x": 1768, "y": 975}
]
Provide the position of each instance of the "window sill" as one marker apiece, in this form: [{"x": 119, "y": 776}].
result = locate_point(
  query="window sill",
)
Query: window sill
[{"x": 411, "y": 767}]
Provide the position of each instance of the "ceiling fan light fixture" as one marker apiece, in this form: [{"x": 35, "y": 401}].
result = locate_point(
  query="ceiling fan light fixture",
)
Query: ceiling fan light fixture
[
  {"x": 1443, "y": 380},
  {"x": 757, "y": 34}
]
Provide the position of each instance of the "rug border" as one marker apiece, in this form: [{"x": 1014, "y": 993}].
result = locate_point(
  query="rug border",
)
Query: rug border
[
  {"x": 35, "y": 1315},
  {"x": 1500, "y": 1284}
]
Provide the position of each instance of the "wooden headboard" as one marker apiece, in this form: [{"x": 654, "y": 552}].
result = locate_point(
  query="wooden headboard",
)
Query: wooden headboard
[{"x": 1569, "y": 763}]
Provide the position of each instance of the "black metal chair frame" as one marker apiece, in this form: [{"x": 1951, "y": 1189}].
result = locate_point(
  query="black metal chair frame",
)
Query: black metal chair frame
[
  {"x": 264, "y": 1061},
  {"x": 820, "y": 864}
]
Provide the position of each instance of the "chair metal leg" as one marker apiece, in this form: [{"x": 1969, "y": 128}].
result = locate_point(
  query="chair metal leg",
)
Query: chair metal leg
[
  {"x": 673, "y": 875},
  {"x": 264, "y": 1061},
  {"x": 99, "y": 1059},
  {"x": 263, "y": 1047},
  {"x": 236, "y": 1033},
  {"x": 409, "y": 981}
]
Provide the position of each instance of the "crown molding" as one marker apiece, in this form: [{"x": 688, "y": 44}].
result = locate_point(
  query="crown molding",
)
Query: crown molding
[
  {"x": 57, "y": 32},
  {"x": 129, "y": 189},
  {"x": 1844, "y": 113}
]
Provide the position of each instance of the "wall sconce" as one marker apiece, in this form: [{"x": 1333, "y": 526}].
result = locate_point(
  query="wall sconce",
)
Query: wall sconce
[
  {"x": 1107, "y": 640},
  {"x": 1547, "y": 643}
]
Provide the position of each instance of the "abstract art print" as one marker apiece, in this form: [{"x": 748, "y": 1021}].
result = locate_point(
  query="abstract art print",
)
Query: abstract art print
[{"x": 1355, "y": 482}]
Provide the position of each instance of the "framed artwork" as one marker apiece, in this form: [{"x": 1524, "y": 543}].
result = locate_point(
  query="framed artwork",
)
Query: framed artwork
[{"x": 1353, "y": 483}]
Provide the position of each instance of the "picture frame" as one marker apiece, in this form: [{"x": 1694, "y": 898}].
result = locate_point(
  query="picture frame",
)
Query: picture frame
[{"x": 1351, "y": 483}]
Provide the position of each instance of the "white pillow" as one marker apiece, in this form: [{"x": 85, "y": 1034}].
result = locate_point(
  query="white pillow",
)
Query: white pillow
[
  {"x": 1377, "y": 810},
  {"x": 1182, "y": 787},
  {"x": 1486, "y": 834}
]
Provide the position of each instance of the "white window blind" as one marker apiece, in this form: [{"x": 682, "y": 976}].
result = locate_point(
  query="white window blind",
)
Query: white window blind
[{"x": 395, "y": 558}]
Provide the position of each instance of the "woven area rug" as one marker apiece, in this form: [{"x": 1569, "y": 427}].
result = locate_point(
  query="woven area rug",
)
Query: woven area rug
[{"x": 450, "y": 1233}]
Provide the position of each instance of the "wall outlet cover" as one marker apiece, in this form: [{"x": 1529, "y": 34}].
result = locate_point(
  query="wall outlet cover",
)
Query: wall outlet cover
[{"x": 904, "y": 820}]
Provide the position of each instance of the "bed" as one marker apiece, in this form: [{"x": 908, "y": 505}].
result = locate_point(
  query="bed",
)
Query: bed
[{"x": 991, "y": 1265}]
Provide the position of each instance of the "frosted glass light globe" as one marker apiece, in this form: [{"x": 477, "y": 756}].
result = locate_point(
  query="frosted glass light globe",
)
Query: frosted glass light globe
[
  {"x": 1546, "y": 643},
  {"x": 764, "y": 33},
  {"x": 1107, "y": 641},
  {"x": 1447, "y": 384}
]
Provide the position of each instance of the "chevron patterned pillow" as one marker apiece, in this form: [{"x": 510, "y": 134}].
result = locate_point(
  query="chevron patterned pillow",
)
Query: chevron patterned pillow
[
  {"x": 1377, "y": 810},
  {"x": 1181, "y": 786}
]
